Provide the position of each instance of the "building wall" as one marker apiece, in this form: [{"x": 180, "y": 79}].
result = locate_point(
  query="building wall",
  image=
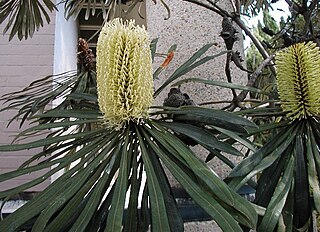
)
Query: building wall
[{"x": 22, "y": 62}]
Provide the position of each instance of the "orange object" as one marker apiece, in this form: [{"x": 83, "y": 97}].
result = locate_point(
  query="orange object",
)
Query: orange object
[{"x": 167, "y": 60}]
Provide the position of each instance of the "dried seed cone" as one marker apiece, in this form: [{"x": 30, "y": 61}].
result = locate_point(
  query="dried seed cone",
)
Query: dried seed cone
[
  {"x": 298, "y": 79},
  {"x": 124, "y": 72}
]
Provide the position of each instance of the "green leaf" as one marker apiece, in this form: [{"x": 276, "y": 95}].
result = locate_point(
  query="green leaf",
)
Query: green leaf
[
  {"x": 73, "y": 208},
  {"x": 312, "y": 152},
  {"x": 115, "y": 216},
  {"x": 202, "y": 136},
  {"x": 200, "y": 195},
  {"x": 63, "y": 161},
  {"x": 220, "y": 156},
  {"x": 287, "y": 211},
  {"x": 36, "y": 98},
  {"x": 54, "y": 151},
  {"x": 248, "y": 164},
  {"x": 98, "y": 220},
  {"x": 131, "y": 220},
  {"x": 301, "y": 185},
  {"x": 274, "y": 209},
  {"x": 266, "y": 127},
  {"x": 85, "y": 154},
  {"x": 63, "y": 189},
  {"x": 73, "y": 8},
  {"x": 23, "y": 17},
  {"x": 93, "y": 202},
  {"x": 207, "y": 178},
  {"x": 188, "y": 66},
  {"x": 55, "y": 125},
  {"x": 221, "y": 84},
  {"x": 98, "y": 183},
  {"x": 48, "y": 212},
  {"x": 173, "y": 213},
  {"x": 209, "y": 116},
  {"x": 153, "y": 47},
  {"x": 47, "y": 141},
  {"x": 82, "y": 96},
  {"x": 87, "y": 114},
  {"x": 236, "y": 137},
  {"x": 264, "y": 109},
  {"x": 266, "y": 162},
  {"x": 144, "y": 216},
  {"x": 159, "y": 216},
  {"x": 269, "y": 178}
]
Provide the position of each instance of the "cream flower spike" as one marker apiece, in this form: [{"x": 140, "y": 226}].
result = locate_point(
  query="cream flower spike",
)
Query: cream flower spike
[
  {"x": 124, "y": 72},
  {"x": 298, "y": 79}
]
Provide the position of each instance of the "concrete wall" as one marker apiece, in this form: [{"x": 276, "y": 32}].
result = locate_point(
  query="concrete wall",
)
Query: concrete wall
[{"x": 22, "y": 62}]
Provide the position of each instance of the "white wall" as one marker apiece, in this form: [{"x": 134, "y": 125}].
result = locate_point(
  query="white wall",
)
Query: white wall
[{"x": 22, "y": 62}]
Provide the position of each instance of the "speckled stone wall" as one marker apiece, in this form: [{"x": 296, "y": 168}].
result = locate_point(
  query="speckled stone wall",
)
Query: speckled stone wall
[{"x": 191, "y": 27}]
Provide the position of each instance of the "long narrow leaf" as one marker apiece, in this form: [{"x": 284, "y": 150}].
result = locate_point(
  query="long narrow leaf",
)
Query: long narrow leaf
[
  {"x": 302, "y": 206},
  {"x": 131, "y": 221},
  {"x": 55, "y": 125},
  {"x": 221, "y": 84},
  {"x": 46, "y": 141},
  {"x": 173, "y": 213},
  {"x": 186, "y": 67},
  {"x": 115, "y": 216},
  {"x": 211, "y": 116},
  {"x": 36, "y": 205},
  {"x": 48, "y": 212},
  {"x": 278, "y": 200},
  {"x": 236, "y": 137},
  {"x": 312, "y": 151},
  {"x": 159, "y": 216},
  {"x": 254, "y": 159},
  {"x": 92, "y": 204},
  {"x": 85, "y": 114},
  {"x": 209, "y": 179},
  {"x": 202, "y": 136},
  {"x": 265, "y": 162},
  {"x": 202, "y": 197}
]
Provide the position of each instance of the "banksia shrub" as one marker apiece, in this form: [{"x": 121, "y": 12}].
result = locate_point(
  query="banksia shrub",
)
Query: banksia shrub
[
  {"x": 124, "y": 72},
  {"x": 298, "y": 79}
]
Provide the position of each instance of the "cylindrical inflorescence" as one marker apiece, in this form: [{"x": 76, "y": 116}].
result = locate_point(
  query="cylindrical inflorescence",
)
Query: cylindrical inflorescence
[
  {"x": 298, "y": 79},
  {"x": 124, "y": 72}
]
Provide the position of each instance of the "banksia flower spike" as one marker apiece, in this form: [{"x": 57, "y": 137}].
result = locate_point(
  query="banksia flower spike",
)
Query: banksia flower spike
[
  {"x": 298, "y": 79},
  {"x": 124, "y": 72}
]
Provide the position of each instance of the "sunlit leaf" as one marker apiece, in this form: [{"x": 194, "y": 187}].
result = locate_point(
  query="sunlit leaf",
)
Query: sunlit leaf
[{"x": 25, "y": 17}]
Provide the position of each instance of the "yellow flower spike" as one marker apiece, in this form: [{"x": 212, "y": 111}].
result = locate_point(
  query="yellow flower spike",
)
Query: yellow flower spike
[
  {"x": 298, "y": 79},
  {"x": 124, "y": 72}
]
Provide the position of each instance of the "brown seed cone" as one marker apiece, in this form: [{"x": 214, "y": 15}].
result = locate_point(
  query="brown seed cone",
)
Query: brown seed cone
[{"x": 85, "y": 55}]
